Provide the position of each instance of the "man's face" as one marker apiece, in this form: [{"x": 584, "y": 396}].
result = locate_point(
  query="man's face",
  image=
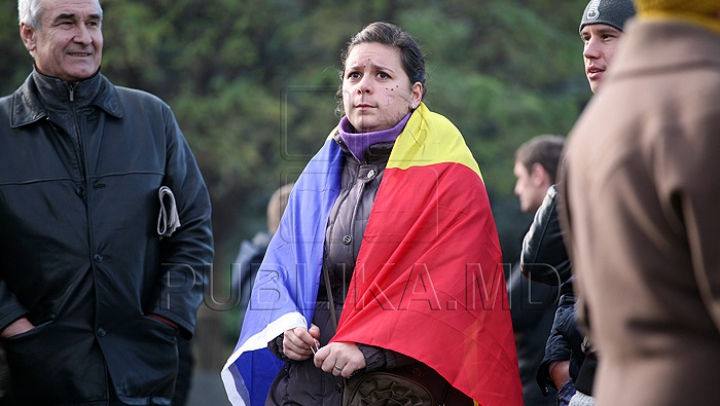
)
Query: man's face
[
  {"x": 530, "y": 186},
  {"x": 69, "y": 43},
  {"x": 600, "y": 42}
]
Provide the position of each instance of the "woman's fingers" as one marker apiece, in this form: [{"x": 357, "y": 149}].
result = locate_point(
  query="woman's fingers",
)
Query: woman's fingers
[
  {"x": 298, "y": 344},
  {"x": 340, "y": 359}
]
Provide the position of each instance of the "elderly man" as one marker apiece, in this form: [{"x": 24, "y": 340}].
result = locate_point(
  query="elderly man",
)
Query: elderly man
[
  {"x": 641, "y": 210},
  {"x": 105, "y": 223}
]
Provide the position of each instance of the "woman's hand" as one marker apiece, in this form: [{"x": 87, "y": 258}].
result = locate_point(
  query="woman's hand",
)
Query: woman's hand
[
  {"x": 298, "y": 343},
  {"x": 340, "y": 359}
]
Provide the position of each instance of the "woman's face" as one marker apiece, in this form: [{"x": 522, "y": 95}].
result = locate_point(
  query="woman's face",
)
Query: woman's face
[{"x": 377, "y": 92}]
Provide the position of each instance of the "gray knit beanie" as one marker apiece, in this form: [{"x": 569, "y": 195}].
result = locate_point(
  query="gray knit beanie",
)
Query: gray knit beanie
[{"x": 611, "y": 12}]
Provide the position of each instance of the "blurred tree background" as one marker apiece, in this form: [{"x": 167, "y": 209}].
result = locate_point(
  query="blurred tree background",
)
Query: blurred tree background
[{"x": 252, "y": 83}]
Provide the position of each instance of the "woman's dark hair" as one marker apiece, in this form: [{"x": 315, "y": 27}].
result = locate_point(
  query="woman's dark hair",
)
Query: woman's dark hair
[{"x": 411, "y": 57}]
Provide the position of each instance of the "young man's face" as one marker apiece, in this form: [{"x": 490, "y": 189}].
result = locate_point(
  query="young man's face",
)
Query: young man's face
[
  {"x": 530, "y": 186},
  {"x": 600, "y": 41},
  {"x": 68, "y": 44}
]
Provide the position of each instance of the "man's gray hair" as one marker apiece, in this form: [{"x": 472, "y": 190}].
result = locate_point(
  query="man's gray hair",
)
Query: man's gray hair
[{"x": 30, "y": 11}]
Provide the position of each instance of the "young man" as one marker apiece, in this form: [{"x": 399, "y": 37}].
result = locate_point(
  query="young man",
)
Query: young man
[
  {"x": 532, "y": 305},
  {"x": 600, "y": 29},
  {"x": 565, "y": 365},
  {"x": 94, "y": 289},
  {"x": 536, "y": 164},
  {"x": 641, "y": 197}
]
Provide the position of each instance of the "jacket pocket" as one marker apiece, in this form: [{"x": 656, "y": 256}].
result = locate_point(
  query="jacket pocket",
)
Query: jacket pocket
[
  {"x": 65, "y": 363},
  {"x": 36, "y": 330},
  {"x": 144, "y": 361}
]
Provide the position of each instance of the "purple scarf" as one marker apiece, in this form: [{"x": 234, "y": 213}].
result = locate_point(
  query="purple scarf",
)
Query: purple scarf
[{"x": 357, "y": 143}]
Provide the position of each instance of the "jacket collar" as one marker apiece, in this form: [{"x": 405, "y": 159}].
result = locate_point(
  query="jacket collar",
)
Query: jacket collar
[
  {"x": 373, "y": 153},
  {"x": 41, "y": 94}
]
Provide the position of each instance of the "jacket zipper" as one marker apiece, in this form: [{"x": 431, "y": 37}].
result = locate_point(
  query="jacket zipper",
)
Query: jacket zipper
[
  {"x": 86, "y": 195},
  {"x": 78, "y": 138}
]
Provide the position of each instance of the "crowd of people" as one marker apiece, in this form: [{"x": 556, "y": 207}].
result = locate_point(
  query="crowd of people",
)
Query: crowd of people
[{"x": 383, "y": 256}]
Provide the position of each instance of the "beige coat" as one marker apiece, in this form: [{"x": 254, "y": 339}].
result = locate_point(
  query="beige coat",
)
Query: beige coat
[{"x": 643, "y": 192}]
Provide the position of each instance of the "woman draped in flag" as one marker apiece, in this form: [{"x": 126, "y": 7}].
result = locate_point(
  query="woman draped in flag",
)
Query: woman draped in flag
[{"x": 393, "y": 213}]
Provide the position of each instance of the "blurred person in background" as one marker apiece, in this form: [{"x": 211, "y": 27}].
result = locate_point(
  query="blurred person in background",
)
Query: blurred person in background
[
  {"x": 252, "y": 251},
  {"x": 532, "y": 305},
  {"x": 536, "y": 166}
]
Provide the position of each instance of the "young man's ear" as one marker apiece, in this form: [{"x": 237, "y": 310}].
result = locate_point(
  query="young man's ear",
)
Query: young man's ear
[{"x": 538, "y": 174}]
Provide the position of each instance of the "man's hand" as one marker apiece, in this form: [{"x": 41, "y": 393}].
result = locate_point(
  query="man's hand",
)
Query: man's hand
[
  {"x": 299, "y": 342},
  {"x": 559, "y": 372},
  {"x": 341, "y": 359},
  {"x": 19, "y": 326}
]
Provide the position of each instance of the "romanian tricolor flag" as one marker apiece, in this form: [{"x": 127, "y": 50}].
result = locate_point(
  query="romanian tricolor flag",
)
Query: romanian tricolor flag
[{"x": 428, "y": 282}]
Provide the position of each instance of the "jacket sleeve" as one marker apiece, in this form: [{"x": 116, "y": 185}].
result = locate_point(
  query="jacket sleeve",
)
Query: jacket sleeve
[
  {"x": 187, "y": 255},
  {"x": 564, "y": 341},
  {"x": 380, "y": 358},
  {"x": 276, "y": 347},
  {"x": 544, "y": 258}
]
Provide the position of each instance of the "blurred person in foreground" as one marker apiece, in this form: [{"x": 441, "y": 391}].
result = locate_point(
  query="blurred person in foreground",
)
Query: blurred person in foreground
[
  {"x": 105, "y": 223},
  {"x": 394, "y": 209},
  {"x": 570, "y": 359},
  {"x": 640, "y": 209},
  {"x": 532, "y": 305}
]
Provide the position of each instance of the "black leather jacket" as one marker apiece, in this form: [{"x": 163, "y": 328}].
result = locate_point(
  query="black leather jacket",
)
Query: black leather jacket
[
  {"x": 544, "y": 257},
  {"x": 81, "y": 257}
]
